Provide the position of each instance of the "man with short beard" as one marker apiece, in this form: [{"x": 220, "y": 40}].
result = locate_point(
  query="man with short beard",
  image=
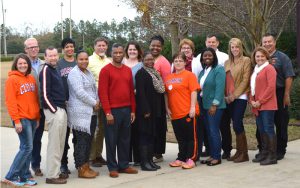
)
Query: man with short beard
[{"x": 96, "y": 62}]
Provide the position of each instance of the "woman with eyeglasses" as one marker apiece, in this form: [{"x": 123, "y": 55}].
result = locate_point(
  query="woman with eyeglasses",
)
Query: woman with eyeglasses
[{"x": 182, "y": 108}]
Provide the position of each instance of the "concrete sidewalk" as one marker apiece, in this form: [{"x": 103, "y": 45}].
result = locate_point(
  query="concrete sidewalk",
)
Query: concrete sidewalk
[{"x": 227, "y": 175}]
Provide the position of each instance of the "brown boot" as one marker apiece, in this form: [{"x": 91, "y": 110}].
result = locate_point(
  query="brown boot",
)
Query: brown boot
[
  {"x": 238, "y": 148},
  {"x": 92, "y": 171},
  {"x": 244, "y": 149},
  {"x": 83, "y": 172}
]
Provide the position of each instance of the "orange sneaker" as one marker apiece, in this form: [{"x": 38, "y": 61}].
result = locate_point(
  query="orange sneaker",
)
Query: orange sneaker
[
  {"x": 188, "y": 164},
  {"x": 176, "y": 163}
]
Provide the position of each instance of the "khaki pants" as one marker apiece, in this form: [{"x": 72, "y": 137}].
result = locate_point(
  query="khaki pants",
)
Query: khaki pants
[
  {"x": 57, "y": 127},
  {"x": 97, "y": 143}
]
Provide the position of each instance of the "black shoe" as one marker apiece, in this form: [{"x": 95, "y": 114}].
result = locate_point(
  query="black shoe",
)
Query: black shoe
[
  {"x": 64, "y": 175},
  {"x": 226, "y": 155},
  {"x": 65, "y": 169},
  {"x": 280, "y": 156},
  {"x": 214, "y": 164},
  {"x": 136, "y": 164}
]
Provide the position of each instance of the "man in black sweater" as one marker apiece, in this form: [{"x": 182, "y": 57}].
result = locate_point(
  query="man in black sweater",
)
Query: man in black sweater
[{"x": 54, "y": 104}]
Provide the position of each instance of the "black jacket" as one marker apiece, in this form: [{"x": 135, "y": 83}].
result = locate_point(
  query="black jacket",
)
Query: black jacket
[{"x": 52, "y": 89}]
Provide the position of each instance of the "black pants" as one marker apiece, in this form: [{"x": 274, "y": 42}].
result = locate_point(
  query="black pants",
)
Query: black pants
[
  {"x": 83, "y": 145},
  {"x": 160, "y": 138},
  {"x": 117, "y": 139},
  {"x": 37, "y": 143},
  {"x": 134, "y": 154},
  {"x": 281, "y": 120},
  {"x": 185, "y": 130},
  {"x": 226, "y": 131},
  {"x": 64, "y": 159}
]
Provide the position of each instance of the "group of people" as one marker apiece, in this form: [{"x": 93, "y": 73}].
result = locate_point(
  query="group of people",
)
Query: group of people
[{"x": 126, "y": 100}]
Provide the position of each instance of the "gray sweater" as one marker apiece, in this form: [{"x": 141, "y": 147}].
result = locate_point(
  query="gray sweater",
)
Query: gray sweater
[{"x": 82, "y": 98}]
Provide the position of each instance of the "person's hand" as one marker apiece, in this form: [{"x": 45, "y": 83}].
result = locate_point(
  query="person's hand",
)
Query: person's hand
[
  {"x": 110, "y": 119},
  {"x": 255, "y": 104},
  {"x": 132, "y": 117},
  {"x": 147, "y": 115},
  {"x": 231, "y": 98},
  {"x": 212, "y": 110},
  {"x": 192, "y": 112},
  {"x": 37, "y": 124},
  {"x": 97, "y": 106},
  {"x": 169, "y": 112},
  {"x": 286, "y": 100},
  {"x": 18, "y": 128}
]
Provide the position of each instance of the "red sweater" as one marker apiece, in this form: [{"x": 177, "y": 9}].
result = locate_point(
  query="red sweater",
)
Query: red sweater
[
  {"x": 115, "y": 88},
  {"x": 265, "y": 89}
]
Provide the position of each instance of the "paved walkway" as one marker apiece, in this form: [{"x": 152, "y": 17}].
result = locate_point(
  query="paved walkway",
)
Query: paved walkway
[{"x": 286, "y": 174}]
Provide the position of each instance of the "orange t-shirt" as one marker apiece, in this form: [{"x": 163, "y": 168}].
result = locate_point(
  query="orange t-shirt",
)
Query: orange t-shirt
[{"x": 179, "y": 88}]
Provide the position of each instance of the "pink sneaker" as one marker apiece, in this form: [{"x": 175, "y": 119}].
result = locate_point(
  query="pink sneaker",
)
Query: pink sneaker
[
  {"x": 188, "y": 164},
  {"x": 176, "y": 163}
]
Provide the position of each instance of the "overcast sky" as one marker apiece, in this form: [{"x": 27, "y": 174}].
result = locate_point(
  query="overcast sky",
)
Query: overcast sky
[{"x": 46, "y": 13}]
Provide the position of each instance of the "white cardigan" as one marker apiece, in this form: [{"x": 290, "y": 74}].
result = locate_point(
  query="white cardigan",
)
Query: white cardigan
[{"x": 82, "y": 98}]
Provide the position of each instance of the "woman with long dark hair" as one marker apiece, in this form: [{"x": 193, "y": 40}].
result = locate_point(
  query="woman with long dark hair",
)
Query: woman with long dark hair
[
  {"x": 212, "y": 84},
  {"x": 21, "y": 99}
]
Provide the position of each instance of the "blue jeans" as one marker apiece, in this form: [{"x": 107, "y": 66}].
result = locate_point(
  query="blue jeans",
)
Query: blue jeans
[
  {"x": 37, "y": 143},
  {"x": 117, "y": 138},
  {"x": 21, "y": 163},
  {"x": 265, "y": 122},
  {"x": 237, "y": 109},
  {"x": 212, "y": 124}
]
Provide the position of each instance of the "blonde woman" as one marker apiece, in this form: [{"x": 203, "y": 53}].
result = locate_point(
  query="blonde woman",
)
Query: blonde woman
[{"x": 238, "y": 70}]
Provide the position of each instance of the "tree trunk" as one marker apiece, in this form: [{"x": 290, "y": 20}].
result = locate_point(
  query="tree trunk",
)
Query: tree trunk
[
  {"x": 173, "y": 27},
  {"x": 298, "y": 32}
]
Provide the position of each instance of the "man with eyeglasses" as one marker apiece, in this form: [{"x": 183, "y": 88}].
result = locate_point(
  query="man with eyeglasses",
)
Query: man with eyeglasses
[{"x": 31, "y": 48}]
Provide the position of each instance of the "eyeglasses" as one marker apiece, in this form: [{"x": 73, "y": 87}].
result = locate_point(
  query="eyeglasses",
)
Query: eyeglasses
[
  {"x": 32, "y": 47},
  {"x": 186, "y": 48}
]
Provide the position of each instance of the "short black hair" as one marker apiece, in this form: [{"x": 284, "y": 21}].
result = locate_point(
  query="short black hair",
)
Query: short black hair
[
  {"x": 212, "y": 35},
  {"x": 269, "y": 35},
  {"x": 117, "y": 45},
  {"x": 79, "y": 52},
  {"x": 26, "y": 58},
  {"x": 159, "y": 38},
  {"x": 66, "y": 41},
  {"x": 215, "y": 58}
]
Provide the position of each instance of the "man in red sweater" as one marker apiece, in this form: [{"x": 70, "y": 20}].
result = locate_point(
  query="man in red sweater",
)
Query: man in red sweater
[{"x": 116, "y": 93}]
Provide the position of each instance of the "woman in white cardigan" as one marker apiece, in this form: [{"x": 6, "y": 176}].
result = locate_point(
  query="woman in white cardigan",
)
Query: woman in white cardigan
[{"x": 82, "y": 106}]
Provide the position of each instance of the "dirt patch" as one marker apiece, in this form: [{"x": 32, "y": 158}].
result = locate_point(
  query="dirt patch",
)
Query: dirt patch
[{"x": 5, "y": 68}]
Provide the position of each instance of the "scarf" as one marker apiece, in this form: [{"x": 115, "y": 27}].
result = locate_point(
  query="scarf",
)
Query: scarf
[
  {"x": 188, "y": 65},
  {"x": 156, "y": 79},
  {"x": 257, "y": 69}
]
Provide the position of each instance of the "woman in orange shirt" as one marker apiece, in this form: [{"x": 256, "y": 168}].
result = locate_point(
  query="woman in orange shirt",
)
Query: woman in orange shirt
[
  {"x": 21, "y": 99},
  {"x": 182, "y": 107}
]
